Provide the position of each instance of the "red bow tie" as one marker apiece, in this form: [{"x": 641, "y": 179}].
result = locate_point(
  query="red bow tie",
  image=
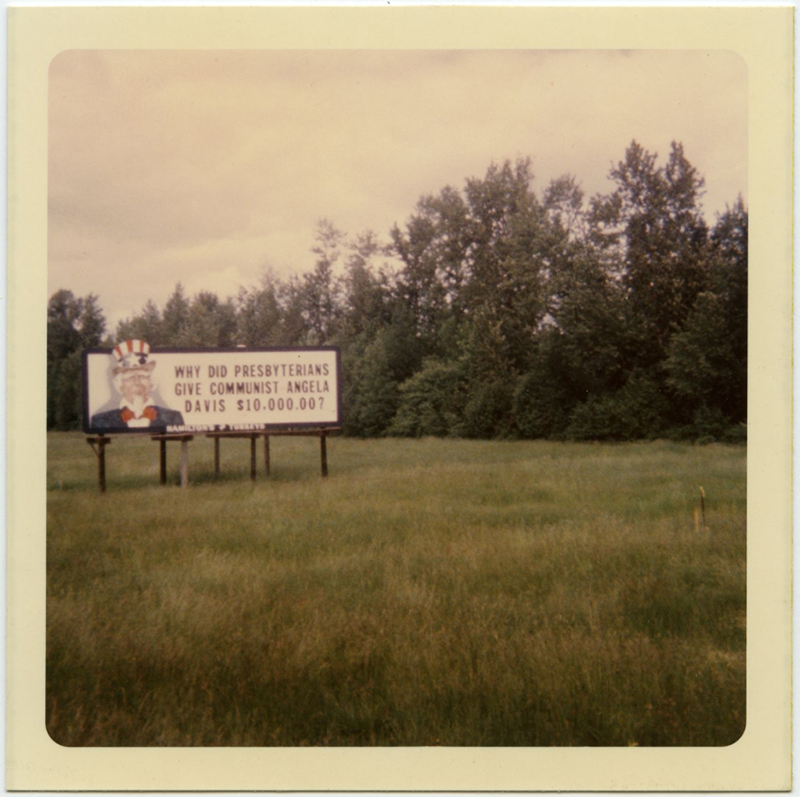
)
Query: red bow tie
[{"x": 149, "y": 413}]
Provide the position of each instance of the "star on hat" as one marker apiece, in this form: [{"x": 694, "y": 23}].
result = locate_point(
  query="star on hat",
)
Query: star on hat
[{"x": 131, "y": 355}]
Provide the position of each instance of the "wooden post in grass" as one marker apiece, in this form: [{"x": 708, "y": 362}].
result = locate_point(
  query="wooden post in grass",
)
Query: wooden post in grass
[
  {"x": 163, "y": 439},
  {"x": 253, "y": 437},
  {"x": 101, "y": 465},
  {"x": 163, "y": 462},
  {"x": 100, "y": 453},
  {"x": 323, "y": 450},
  {"x": 184, "y": 462}
]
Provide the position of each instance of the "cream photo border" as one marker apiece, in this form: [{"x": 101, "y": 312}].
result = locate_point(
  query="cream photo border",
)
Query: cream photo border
[{"x": 760, "y": 760}]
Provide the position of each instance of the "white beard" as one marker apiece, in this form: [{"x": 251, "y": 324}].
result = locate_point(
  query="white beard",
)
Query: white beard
[{"x": 139, "y": 423}]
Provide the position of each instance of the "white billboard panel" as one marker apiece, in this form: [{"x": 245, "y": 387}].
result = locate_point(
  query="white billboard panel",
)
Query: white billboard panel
[{"x": 135, "y": 389}]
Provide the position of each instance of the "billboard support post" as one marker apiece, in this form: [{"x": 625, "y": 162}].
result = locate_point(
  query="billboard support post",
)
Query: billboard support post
[
  {"x": 185, "y": 462},
  {"x": 100, "y": 452},
  {"x": 184, "y": 441},
  {"x": 163, "y": 462},
  {"x": 266, "y": 454},
  {"x": 323, "y": 450}
]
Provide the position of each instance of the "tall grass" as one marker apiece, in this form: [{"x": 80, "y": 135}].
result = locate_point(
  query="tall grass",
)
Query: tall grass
[{"x": 428, "y": 592}]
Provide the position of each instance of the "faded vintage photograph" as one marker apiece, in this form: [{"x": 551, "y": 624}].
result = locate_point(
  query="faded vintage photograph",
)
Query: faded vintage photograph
[{"x": 530, "y": 526}]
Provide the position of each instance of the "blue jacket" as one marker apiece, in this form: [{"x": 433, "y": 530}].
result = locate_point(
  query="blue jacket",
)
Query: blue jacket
[{"x": 112, "y": 420}]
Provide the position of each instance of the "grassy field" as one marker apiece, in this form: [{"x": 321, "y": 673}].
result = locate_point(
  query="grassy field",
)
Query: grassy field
[{"x": 428, "y": 592}]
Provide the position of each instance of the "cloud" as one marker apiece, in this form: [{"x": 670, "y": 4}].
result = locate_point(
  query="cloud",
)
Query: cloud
[{"x": 201, "y": 166}]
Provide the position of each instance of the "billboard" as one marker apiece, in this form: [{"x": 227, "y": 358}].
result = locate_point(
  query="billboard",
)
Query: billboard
[{"x": 133, "y": 388}]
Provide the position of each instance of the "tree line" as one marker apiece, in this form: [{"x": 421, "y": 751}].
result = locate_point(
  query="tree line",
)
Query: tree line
[{"x": 494, "y": 311}]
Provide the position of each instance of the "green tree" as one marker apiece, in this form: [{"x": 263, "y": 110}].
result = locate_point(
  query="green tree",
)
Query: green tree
[
  {"x": 434, "y": 251},
  {"x": 259, "y": 315},
  {"x": 175, "y": 317},
  {"x": 638, "y": 410},
  {"x": 706, "y": 365},
  {"x": 542, "y": 397},
  {"x": 588, "y": 340},
  {"x": 294, "y": 328},
  {"x": 210, "y": 322},
  {"x": 563, "y": 201},
  {"x": 374, "y": 366},
  {"x": 652, "y": 234},
  {"x": 729, "y": 278},
  {"x": 147, "y": 326},
  {"x": 418, "y": 284},
  {"x": 375, "y": 393},
  {"x": 431, "y": 402},
  {"x": 366, "y": 295},
  {"x": 701, "y": 365},
  {"x": 475, "y": 275},
  {"x": 73, "y": 325},
  {"x": 91, "y": 323},
  {"x": 320, "y": 289},
  {"x": 513, "y": 250}
]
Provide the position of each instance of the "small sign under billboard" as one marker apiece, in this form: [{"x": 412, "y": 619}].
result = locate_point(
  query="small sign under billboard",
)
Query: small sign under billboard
[{"x": 133, "y": 388}]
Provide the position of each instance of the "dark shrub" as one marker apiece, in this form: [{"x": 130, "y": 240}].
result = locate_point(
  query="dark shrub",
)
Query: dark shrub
[{"x": 431, "y": 402}]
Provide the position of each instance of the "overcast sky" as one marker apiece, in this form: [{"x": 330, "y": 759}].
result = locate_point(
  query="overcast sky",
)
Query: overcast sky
[{"x": 205, "y": 167}]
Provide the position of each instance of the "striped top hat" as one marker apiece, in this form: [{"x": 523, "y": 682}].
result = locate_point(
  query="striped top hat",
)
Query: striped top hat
[{"x": 131, "y": 355}]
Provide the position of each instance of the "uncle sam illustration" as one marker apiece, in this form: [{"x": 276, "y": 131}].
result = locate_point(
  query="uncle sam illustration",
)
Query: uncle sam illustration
[{"x": 132, "y": 372}]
